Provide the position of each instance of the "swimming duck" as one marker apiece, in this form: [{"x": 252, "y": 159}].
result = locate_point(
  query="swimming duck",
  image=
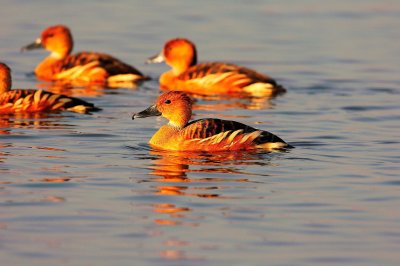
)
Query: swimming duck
[
  {"x": 84, "y": 68},
  {"x": 209, "y": 78},
  {"x": 29, "y": 100},
  {"x": 208, "y": 134}
]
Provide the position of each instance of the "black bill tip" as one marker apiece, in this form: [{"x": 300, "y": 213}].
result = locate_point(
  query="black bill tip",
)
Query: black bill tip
[
  {"x": 151, "y": 111},
  {"x": 35, "y": 45},
  {"x": 158, "y": 58}
]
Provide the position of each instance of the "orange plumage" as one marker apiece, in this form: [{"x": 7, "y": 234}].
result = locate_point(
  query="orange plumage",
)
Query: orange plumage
[
  {"x": 84, "y": 68},
  {"x": 29, "y": 100},
  {"x": 205, "y": 134},
  {"x": 209, "y": 78}
]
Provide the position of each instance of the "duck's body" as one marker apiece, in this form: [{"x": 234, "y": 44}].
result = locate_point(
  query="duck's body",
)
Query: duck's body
[
  {"x": 210, "y": 78},
  {"x": 29, "y": 100},
  {"x": 83, "y": 68},
  {"x": 205, "y": 134},
  {"x": 214, "y": 135}
]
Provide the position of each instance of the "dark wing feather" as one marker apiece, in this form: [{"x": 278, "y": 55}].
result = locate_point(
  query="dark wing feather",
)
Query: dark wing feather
[
  {"x": 208, "y": 127},
  {"x": 16, "y": 94},
  {"x": 75, "y": 101},
  {"x": 111, "y": 64},
  {"x": 203, "y": 69}
]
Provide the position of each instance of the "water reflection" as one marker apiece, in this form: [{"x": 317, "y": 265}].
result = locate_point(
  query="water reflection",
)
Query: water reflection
[
  {"x": 77, "y": 90},
  {"x": 72, "y": 91},
  {"x": 222, "y": 102},
  {"x": 199, "y": 175},
  {"x": 172, "y": 172},
  {"x": 202, "y": 176},
  {"x": 29, "y": 120},
  {"x": 15, "y": 148}
]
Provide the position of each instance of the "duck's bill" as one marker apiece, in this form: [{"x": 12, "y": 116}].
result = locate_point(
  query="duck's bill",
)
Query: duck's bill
[
  {"x": 35, "y": 45},
  {"x": 158, "y": 58},
  {"x": 151, "y": 111}
]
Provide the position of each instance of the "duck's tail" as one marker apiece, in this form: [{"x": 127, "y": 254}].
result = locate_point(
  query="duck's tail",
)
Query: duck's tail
[
  {"x": 261, "y": 89},
  {"x": 83, "y": 109},
  {"x": 121, "y": 80}
]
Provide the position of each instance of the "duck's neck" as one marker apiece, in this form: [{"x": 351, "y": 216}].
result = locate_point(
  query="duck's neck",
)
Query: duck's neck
[
  {"x": 180, "y": 68},
  {"x": 48, "y": 67},
  {"x": 163, "y": 135},
  {"x": 182, "y": 65},
  {"x": 5, "y": 83},
  {"x": 180, "y": 118}
]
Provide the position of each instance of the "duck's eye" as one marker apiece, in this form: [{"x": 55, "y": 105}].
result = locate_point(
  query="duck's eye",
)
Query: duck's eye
[{"x": 167, "y": 101}]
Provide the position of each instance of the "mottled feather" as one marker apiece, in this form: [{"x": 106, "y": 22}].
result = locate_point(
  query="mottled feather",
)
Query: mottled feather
[
  {"x": 204, "y": 69},
  {"x": 30, "y": 100},
  {"x": 209, "y": 127},
  {"x": 112, "y": 65}
]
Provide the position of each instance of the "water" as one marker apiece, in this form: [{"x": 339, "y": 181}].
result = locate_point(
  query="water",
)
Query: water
[{"x": 87, "y": 189}]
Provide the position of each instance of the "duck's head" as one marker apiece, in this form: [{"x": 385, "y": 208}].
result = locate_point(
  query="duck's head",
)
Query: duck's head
[
  {"x": 176, "y": 106},
  {"x": 178, "y": 53},
  {"x": 56, "y": 39},
  {"x": 5, "y": 78}
]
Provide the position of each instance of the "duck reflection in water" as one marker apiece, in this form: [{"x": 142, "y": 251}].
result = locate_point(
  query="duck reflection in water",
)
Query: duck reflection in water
[
  {"x": 72, "y": 91},
  {"x": 32, "y": 120},
  {"x": 92, "y": 90},
  {"x": 223, "y": 102},
  {"x": 174, "y": 174},
  {"x": 181, "y": 182},
  {"x": 174, "y": 167}
]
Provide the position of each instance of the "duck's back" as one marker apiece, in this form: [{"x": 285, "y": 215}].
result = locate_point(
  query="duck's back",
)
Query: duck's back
[
  {"x": 222, "y": 78},
  {"x": 204, "y": 69},
  {"x": 30, "y": 100},
  {"x": 112, "y": 65},
  {"x": 14, "y": 95},
  {"x": 217, "y": 134}
]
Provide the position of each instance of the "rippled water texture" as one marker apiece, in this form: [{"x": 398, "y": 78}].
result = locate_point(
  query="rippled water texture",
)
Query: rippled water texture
[{"x": 88, "y": 190}]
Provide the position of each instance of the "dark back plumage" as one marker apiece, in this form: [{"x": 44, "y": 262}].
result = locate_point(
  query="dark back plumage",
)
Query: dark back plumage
[
  {"x": 112, "y": 65},
  {"x": 204, "y": 69},
  {"x": 208, "y": 127}
]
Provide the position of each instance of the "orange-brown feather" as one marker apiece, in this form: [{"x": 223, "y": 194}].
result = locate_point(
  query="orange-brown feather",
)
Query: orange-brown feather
[
  {"x": 216, "y": 134},
  {"x": 112, "y": 65}
]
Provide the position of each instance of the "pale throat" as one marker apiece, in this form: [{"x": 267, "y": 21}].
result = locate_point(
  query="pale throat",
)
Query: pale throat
[
  {"x": 56, "y": 55},
  {"x": 175, "y": 125}
]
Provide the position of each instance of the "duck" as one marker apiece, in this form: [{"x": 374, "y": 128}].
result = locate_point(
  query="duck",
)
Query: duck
[
  {"x": 209, "y": 78},
  {"x": 209, "y": 134},
  {"x": 82, "y": 68},
  {"x": 33, "y": 101}
]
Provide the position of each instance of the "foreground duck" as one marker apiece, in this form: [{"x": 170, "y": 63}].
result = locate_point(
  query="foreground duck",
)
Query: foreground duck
[
  {"x": 29, "y": 100},
  {"x": 209, "y": 78},
  {"x": 205, "y": 134},
  {"x": 84, "y": 68}
]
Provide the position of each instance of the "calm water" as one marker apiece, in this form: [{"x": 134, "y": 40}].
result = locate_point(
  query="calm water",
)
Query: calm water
[{"x": 88, "y": 190}]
